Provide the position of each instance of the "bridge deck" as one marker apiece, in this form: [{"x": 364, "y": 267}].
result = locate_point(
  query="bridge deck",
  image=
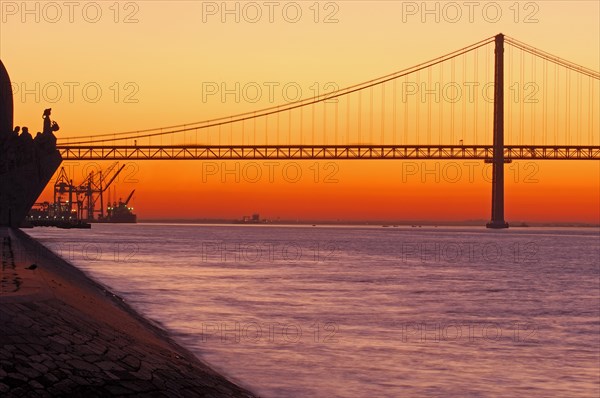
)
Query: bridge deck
[{"x": 339, "y": 152}]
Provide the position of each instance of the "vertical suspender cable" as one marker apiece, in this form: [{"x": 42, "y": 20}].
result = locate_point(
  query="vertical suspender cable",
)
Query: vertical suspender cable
[
  {"x": 337, "y": 102},
  {"x": 371, "y": 115},
  {"x": 382, "y": 127},
  {"x": 568, "y": 106},
  {"x": 533, "y": 101},
  {"x": 476, "y": 99},
  {"x": 591, "y": 112},
  {"x": 405, "y": 99},
  {"x": 441, "y": 99},
  {"x": 579, "y": 109},
  {"x": 464, "y": 98},
  {"x": 394, "y": 109},
  {"x": 521, "y": 98},
  {"x": 347, "y": 119},
  {"x": 417, "y": 115},
  {"x": 452, "y": 107},
  {"x": 313, "y": 125},
  {"x": 429, "y": 105},
  {"x": 545, "y": 99},
  {"x": 359, "y": 115},
  {"x": 556, "y": 102}
]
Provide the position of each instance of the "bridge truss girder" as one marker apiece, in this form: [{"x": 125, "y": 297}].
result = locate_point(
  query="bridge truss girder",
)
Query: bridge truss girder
[{"x": 330, "y": 152}]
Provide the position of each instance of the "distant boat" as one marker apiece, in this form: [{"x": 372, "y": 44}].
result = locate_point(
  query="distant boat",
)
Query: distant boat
[
  {"x": 120, "y": 213},
  {"x": 255, "y": 219}
]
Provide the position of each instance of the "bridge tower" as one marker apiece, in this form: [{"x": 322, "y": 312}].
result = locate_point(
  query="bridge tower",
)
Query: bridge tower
[{"x": 497, "y": 221}]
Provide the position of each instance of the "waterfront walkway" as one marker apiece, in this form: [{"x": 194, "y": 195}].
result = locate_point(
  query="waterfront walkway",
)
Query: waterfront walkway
[{"x": 62, "y": 334}]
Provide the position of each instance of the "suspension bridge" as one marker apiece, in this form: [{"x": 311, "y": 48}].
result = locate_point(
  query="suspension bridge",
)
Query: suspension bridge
[{"x": 497, "y": 100}]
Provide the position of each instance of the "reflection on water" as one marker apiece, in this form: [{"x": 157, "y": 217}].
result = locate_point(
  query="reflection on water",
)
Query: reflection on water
[
  {"x": 364, "y": 312},
  {"x": 10, "y": 281}
]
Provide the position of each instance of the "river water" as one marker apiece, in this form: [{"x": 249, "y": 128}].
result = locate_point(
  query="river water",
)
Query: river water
[{"x": 330, "y": 311}]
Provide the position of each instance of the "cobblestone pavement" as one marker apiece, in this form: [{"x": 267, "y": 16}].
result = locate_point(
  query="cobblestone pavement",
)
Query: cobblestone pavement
[
  {"x": 49, "y": 349},
  {"x": 63, "y": 335}
]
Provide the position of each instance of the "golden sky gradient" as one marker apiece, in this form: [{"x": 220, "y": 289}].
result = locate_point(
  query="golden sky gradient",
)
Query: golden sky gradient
[{"x": 152, "y": 60}]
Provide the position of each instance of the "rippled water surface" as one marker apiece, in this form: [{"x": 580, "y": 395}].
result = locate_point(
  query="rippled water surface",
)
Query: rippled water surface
[{"x": 364, "y": 311}]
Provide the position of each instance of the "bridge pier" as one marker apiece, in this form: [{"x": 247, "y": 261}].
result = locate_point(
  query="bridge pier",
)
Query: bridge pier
[{"x": 497, "y": 221}]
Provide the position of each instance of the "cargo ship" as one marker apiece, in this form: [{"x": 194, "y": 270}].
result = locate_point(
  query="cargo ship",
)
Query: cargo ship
[
  {"x": 119, "y": 212},
  {"x": 26, "y": 164}
]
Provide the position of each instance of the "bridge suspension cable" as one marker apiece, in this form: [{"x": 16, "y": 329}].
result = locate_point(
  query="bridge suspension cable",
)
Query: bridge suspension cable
[
  {"x": 552, "y": 58},
  {"x": 549, "y": 100},
  {"x": 205, "y": 124},
  {"x": 446, "y": 101}
]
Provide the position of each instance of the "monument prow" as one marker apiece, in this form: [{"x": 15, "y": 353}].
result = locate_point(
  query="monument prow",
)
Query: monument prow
[{"x": 26, "y": 164}]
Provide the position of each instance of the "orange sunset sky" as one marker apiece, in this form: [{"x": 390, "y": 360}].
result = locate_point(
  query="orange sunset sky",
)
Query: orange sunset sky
[{"x": 153, "y": 61}]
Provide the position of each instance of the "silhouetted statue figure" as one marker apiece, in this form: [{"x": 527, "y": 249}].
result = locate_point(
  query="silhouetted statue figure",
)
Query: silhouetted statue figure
[
  {"x": 25, "y": 136},
  {"x": 46, "y": 141},
  {"x": 26, "y": 149},
  {"x": 49, "y": 125},
  {"x": 47, "y": 121}
]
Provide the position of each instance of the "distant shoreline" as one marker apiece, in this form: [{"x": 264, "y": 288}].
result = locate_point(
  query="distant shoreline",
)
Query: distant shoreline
[{"x": 468, "y": 223}]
